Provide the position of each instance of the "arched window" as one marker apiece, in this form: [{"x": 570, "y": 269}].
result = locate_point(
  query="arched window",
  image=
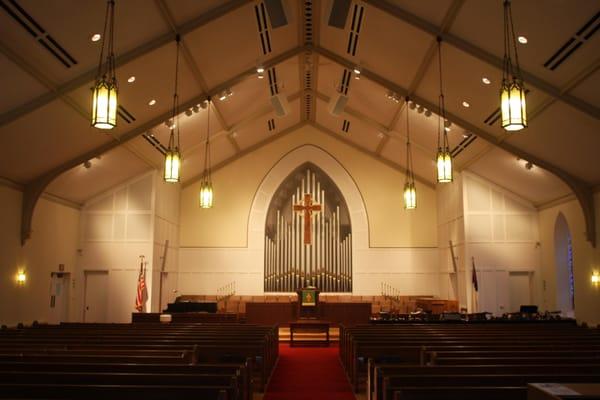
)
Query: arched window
[{"x": 564, "y": 261}]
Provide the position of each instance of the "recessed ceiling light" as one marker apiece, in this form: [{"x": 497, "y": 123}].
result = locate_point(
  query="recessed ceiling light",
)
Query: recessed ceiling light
[
  {"x": 131, "y": 79},
  {"x": 522, "y": 39},
  {"x": 152, "y": 102},
  {"x": 447, "y": 128},
  {"x": 95, "y": 37},
  {"x": 486, "y": 80},
  {"x": 466, "y": 104}
]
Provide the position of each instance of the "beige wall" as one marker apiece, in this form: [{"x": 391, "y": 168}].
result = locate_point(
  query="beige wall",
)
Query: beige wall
[
  {"x": 53, "y": 242},
  {"x": 225, "y": 225},
  {"x": 586, "y": 259}
]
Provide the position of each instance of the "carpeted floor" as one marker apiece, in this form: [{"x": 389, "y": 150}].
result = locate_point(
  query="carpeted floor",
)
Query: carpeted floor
[{"x": 309, "y": 373}]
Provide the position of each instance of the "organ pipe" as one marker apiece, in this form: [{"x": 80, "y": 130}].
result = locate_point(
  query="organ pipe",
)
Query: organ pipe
[{"x": 326, "y": 262}]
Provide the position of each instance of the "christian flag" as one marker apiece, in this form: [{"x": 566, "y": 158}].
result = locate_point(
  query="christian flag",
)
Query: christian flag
[
  {"x": 474, "y": 276},
  {"x": 141, "y": 289}
]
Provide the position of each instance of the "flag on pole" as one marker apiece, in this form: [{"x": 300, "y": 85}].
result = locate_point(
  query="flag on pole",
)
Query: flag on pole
[
  {"x": 474, "y": 276},
  {"x": 141, "y": 287},
  {"x": 475, "y": 290}
]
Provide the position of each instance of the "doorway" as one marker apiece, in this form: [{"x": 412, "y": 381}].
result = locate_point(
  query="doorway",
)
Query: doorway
[
  {"x": 519, "y": 286},
  {"x": 95, "y": 306},
  {"x": 59, "y": 297}
]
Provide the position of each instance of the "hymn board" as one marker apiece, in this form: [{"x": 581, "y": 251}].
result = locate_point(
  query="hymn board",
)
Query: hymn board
[{"x": 308, "y": 241}]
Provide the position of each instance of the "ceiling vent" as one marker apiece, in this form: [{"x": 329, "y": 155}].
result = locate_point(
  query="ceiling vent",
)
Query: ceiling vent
[
  {"x": 125, "y": 115},
  {"x": 155, "y": 143},
  {"x": 263, "y": 28},
  {"x": 345, "y": 84},
  {"x": 346, "y": 126},
  {"x": 466, "y": 142},
  {"x": 31, "y": 26},
  {"x": 339, "y": 13},
  {"x": 276, "y": 13},
  {"x": 574, "y": 43},
  {"x": 357, "y": 19},
  {"x": 273, "y": 85}
]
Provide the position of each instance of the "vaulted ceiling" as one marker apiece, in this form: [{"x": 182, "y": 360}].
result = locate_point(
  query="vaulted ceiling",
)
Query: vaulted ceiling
[{"x": 48, "y": 65}]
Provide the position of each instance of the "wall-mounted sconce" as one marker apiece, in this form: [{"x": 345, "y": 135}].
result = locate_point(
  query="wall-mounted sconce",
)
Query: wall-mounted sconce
[
  {"x": 21, "y": 278},
  {"x": 595, "y": 278}
]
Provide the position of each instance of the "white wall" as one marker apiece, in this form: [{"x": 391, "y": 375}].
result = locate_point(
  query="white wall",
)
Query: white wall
[
  {"x": 224, "y": 244},
  {"x": 501, "y": 234},
  {"x": 53, "y": 241},
  {"x": 586, "y": 260},
  {"x": 495, "y": 227},
  {"x": 166, "y": 227}
]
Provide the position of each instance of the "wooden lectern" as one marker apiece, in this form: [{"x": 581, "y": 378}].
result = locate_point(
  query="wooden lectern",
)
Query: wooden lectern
[{"x": 308, "y": 303}]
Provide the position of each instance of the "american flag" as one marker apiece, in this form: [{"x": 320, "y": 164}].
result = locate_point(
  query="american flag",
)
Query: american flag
[{"x": 141, "y": 288}]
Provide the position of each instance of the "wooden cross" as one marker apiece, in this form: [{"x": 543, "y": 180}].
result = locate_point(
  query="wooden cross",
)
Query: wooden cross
[{"x": 307, "y": 207}]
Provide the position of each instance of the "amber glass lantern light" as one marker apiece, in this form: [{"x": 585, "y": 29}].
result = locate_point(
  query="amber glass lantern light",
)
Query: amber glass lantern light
[
  {"x": 512, "y": 91},
  {"x": 206, "y": 188},
  {"x": 173, "y": 155},
  {"x": 410, "y": 192},
  {"x": 105, "y": 90}
]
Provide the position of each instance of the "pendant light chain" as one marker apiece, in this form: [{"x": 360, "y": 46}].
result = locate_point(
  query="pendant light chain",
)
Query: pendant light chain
[
  {"x": 175, "y": 117},
  {"x": 409, "y": 164},
  {"x": 207, "y": 147}
]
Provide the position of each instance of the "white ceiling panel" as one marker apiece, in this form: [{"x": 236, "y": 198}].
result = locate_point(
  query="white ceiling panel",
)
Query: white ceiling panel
[
  {"x": 46, "y": 138},
  {"x": 546, "y": 25},
  {"x": 71, "y": 23},
  {"x": 236, "y": 50},
  {"x": 15, "y": 95},
  {"x": 565, "y": 137},
  {"x": 80, "y": 183},
  {"x": 536, "y": 184}
]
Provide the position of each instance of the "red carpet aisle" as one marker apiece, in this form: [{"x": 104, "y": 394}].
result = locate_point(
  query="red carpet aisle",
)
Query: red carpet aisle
[{"x": 309, "y": 373}]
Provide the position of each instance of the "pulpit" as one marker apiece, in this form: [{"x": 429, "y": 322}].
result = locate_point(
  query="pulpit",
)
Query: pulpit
[{"x": 308, "y": 303}]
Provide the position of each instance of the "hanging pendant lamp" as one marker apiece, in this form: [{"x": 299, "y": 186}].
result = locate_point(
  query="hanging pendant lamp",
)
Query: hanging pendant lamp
[
  {"x": 410, "y": 191},
  {"x": 173, "y": 155},
  {"x": 512, "y": 92},
  {"x": 105, "y": 90},
  {"x": 206, "y": 189},
  {"x": 444, "y": 158}
]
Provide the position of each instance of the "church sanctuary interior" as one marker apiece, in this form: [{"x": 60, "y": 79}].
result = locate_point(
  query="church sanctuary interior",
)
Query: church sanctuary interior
[{"x": 300, "y": 199}]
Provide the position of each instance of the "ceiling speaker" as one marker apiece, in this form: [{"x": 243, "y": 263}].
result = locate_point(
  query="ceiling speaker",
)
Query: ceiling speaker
[
  {"x": 276, "y": 13},
  {"x": 339, "y": 13},
  {"x": 337, "y": 104},
  {"x": 280, "y": 105}
]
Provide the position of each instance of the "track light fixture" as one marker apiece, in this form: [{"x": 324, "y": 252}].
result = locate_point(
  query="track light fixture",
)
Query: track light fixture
[
  {"x": 105, "y": 90},
  {"x": 512, "y": 91}
]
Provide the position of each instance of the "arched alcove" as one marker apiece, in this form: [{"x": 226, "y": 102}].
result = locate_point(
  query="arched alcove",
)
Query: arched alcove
[
  {"x": 327, "y": 164},
  {"x": 563, "y": 256}
]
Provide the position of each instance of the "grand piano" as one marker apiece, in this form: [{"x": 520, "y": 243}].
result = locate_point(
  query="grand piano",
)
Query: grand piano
[{"x": 182, "y": 305}]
